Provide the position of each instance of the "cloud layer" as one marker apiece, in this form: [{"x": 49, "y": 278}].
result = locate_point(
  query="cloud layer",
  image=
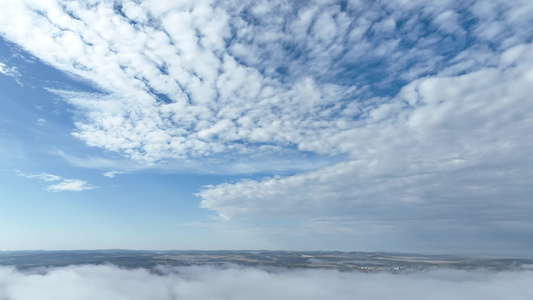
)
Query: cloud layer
[
  {"x": 195, "y": 79},
  {"x": 107, "y": 282},
  {"x": 442, "y": 137}
]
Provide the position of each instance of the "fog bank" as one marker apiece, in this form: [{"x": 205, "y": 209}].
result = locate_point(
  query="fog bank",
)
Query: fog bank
[{"x": 109, "y": 282}]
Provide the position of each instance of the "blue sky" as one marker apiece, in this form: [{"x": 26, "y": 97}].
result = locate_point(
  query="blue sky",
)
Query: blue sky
[{"x": 332, "y": 125}]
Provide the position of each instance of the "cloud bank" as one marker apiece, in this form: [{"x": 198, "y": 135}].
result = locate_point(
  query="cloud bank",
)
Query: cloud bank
[{"x": 108, "y": 282}]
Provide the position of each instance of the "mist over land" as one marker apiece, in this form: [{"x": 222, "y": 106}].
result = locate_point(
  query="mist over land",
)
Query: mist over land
[
  {"x": 120, "y": 274},
  {"x": 234, "y": 282}
]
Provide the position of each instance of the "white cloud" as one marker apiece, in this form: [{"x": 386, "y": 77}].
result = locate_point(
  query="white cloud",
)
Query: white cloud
[
  {"x": 223, "y": 101},
  {"x": 439, "y": 124},
  {"x": 71, "y": 185},
  {"x": 444, "y": 146},
  {"x": 41, "y": 122},
  {"x": 234, "y": 283},
  {"x": 40, "y": 176},
  {"x": 112, "y": 174},
  {"x": 9, "y": 71}
]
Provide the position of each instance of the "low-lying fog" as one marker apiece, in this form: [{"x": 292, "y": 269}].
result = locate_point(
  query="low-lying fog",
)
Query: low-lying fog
[{"x": 109, "y": 282}]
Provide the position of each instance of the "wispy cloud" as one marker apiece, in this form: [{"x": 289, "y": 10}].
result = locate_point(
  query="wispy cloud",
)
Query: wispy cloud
[
  {"x": 42, "y": 122},
  {"x": 72, "y": 185},
  {"x": 40, "y": 176},
  {"x": 9, "y": 71},
  {"x": 112, "y": 174}
]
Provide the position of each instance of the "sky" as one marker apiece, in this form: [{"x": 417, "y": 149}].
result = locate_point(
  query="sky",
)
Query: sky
[{"x": 300, "y": 125}]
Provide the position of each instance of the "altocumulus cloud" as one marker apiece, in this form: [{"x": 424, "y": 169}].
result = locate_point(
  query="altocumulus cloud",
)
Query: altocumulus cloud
[{"x": 234, "y": 283}]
